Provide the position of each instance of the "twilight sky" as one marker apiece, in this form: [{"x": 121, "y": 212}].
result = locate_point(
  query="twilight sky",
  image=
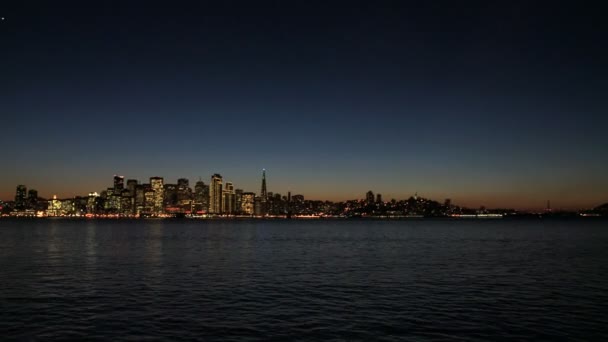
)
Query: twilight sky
[{"x": 488, "y": 104}]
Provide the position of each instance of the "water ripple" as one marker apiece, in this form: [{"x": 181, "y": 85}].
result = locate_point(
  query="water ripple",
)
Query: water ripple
[{"x": 326, "y": 280}]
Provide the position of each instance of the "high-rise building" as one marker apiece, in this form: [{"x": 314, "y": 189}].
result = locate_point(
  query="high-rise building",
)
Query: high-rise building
[
  {"x": 264, "y": 194},
  {"x": 257, "y": 206},
  {"x": 297, "y": 204},
  {"x": 119, "y": 184},
  {"x": 21, "y": 197},
  {"x": 201, "y": 197},
  {"x": 184, "y": 195},
  {"x": 378, "y": 198},
  {"x": 183, "y": 183},
  {"x": 157, "y": 186},
  {"x": 131, "y": 186},
  {"x": 126, "y": 203},
  {"x": 149, "y": 200},
  {"x": 215, "y": 194},
  {"x": 228, "y": 200},
  {"x": 112, "y": 202},
  {"x": 140, "y": 198},
  {"x": 92, "y": 206},
  {"x": 369, "y": 197},
  {"x": 170, "y": 199},
  {"x": 247, "y": 203},
  {"x": 32, "y": 199},
  {"x": 238, "y": 201}
]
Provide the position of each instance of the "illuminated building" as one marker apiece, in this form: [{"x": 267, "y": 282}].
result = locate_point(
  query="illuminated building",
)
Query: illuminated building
[
  {"x": 119, "y": 184},
  {"x": 20, "y": 197},
  {"x": 54, "y": 208},
  {"x": 126, "y": 203},
  {"x": 170, "y": 195},
  {"x": 257, "y": 206},
  {"x": 156, "y": 183},
  {"x": 131, "y": 186},
  {"x": 184, "y": 195},
  {"x": 140, "y": 198},
  {"x": 58, "y": 207},
  {"x": 215, "y": 194},
  {"x": 263, "y": 194},
  {"x": 247, "y": 203},
  {"x": 228, "y": 200},
  {"x": 238, "y": 200},
  {"x": 149, "y": 200},
  {"x": 112, "y": 201},
  {"x": 201, "y": 197},
  {"x": 92, "y": 202}
]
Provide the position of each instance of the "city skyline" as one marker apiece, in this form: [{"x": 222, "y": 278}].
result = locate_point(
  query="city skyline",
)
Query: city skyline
[
  {"x": 557, "y": 204},
  {"x": 500, "y": 105}
]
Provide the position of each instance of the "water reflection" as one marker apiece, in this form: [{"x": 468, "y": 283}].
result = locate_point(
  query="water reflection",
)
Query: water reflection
[{"x": 153, "y": 247}]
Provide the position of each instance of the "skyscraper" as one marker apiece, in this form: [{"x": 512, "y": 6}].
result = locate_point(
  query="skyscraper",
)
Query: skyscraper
[
  {"x": 119, "y": 184},
  {"x": 170, "y": 199},
  {"x": 131, "y": 186},
  {"x": 149, "y": 200},
  {"x": 247, "y": 203},
  {"x": 228, "y": 199},
  {"x": 32, "y": 199},
  {"x": 263, "y": 195},
  {"x": 215, "y": 194},
  {"x": 238, "y": 201},
  {"x": 369, "y": 197},
  {"x": 157, "y": 186},
  {"x": 201, "y": 197},
  {"x": 20, "y": 197},
  {"x": 140, "y": 199},
  {"x": 184, "y": 195}
]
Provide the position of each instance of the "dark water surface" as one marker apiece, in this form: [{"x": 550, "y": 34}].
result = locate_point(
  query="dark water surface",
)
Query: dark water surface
[{"x": 304, "y": 280}]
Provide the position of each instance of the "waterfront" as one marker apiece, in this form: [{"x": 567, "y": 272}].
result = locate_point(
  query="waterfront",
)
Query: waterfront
[{"x": 304, "y": 279}]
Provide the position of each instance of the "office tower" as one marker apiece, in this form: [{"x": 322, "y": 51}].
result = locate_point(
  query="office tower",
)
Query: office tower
[
  {"x": 257, "y": 206},
  {"x": 32, "y": 199},
  {"x": 126, "y": 203},
  {"x": 378, "y": 198},
  {"x": 54, "y": 207},
  {"x": 369, "y": 197},
  {"x": 149, "y": 200},
  {"x": 228, "y": 199},
  {"x": 184, "y": 195},
  {"x": 156, "y": 183},
  {"x": 183, "y": 183},
  {"x": 170, "y": 195},
  {"x": 215, "y": 194},
  {"x": 139, "y": 198},
  {"x": 201, "y": 197},
  {"x": 247, "y": 203},
  {"x": 264, "y": 194},
  {"x": 109, "y": 203},
  {"x": 20, "y": 197},
  {"x": 92, "y": 206},
  {"x": 238, "y": 200},
  {"x": 119, "y": 184},
  {"x": 131, "y": 186}
]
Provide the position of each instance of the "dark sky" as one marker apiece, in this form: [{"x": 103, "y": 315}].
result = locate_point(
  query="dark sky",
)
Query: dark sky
[{"x": 487, "y": 103}]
